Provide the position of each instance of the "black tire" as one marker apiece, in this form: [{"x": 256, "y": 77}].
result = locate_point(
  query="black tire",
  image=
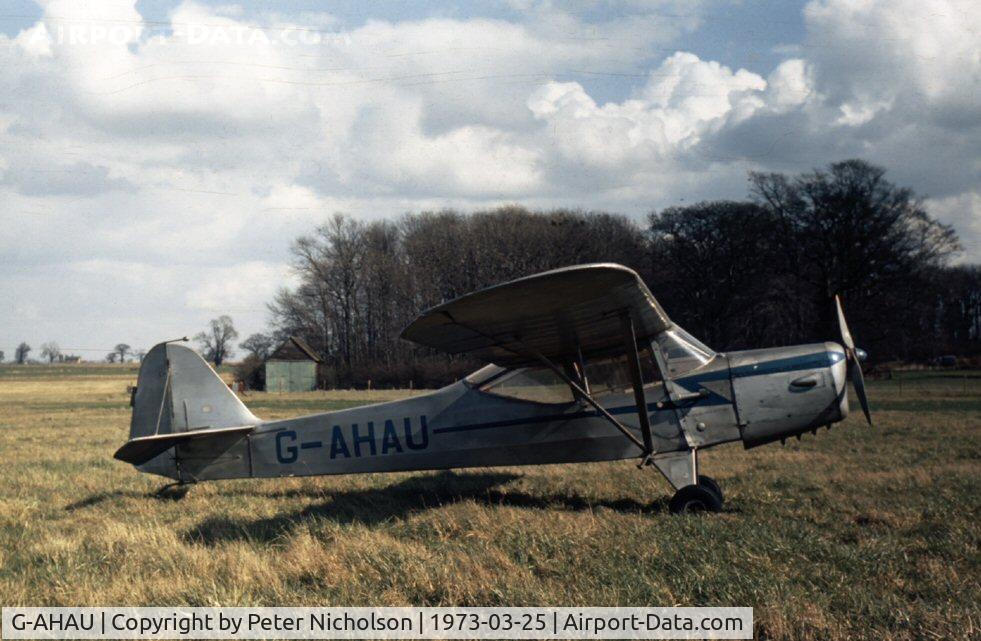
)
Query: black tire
[
  {"x": 694, "y": 498},
  {"x": 709, "y": 483}
]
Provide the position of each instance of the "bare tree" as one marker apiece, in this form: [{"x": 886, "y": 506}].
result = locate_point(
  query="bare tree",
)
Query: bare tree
[
  {"x": 216, "y": 343},
  {"x": 140, "y": 354},
  {"x": 21, "y": 354},
  {"x": 361, "y": 283},
  {"x": 122, "y": 349},
  {"x": 2, "y": 355},
  {"x": 258, "y": 345},
  {"x": 848, "y": 230},
  {"x": 50, "y": 351},
  {"x": 715, "y": 260},
  {"x": 762, "y": 271},
  {"x": 111, "y": 357}
]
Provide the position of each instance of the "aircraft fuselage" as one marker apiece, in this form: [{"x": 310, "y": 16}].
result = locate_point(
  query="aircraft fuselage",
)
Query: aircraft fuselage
[{"x": 754, "y": 396}]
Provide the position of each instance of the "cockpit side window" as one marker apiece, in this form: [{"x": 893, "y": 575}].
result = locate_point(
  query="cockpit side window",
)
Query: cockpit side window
[
  {"x": 604, "y": 376},
  {"x": 612, "y": 375},
  {"x": 538, "y": 384}
]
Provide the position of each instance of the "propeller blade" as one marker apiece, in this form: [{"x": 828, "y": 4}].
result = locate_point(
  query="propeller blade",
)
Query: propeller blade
[
  {"x": 855, "y": 373},
  {"x": 853, "y": 357},
  {"x": 846, "y": 336}
]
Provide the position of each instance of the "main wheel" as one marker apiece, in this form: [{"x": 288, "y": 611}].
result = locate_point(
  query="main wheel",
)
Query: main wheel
[
  {"x": 695, "y": 498},
  {"x": 709, "y": 483}
]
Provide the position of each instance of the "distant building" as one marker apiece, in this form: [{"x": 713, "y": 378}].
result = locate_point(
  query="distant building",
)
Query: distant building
[{"x": 292, "y": 367}]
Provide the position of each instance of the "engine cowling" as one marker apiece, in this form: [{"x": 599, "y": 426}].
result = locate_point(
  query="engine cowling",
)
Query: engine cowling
[{"x": 785, "y": 391}]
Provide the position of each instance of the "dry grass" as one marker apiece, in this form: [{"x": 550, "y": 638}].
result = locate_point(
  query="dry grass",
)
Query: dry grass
[{"x": 858, "y": 533}]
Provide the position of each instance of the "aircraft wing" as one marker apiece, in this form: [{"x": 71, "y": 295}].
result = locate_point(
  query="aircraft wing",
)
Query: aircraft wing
[{"x": 554, "y": 313}]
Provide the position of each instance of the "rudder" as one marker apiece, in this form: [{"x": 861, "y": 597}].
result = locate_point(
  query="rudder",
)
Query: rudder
[{"x": 177, "y": 391}]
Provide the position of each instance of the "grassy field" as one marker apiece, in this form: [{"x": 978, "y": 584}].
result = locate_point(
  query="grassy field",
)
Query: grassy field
[{"x": 858, "y": 533}]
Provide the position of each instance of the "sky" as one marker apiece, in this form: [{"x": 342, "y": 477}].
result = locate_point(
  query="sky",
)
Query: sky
[{"x": 159, "y": 157}]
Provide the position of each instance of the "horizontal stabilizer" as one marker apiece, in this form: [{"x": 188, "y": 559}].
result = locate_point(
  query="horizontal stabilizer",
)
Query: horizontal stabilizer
[{"x": 140, "y": 450}]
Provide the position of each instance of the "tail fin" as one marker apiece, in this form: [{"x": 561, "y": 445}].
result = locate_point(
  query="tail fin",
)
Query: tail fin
[
  {"x": 177, "y": 391},
  {"x": 180, "y": 399}
]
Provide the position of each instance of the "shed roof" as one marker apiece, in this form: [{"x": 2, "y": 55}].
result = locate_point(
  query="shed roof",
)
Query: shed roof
[{"x": 294, "y": 349}]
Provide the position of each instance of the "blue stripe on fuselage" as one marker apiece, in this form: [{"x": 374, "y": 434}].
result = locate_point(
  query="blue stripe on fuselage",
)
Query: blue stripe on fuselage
[
  {"x": 690, "y": 383},
  {"x": 816, "y": 360}
]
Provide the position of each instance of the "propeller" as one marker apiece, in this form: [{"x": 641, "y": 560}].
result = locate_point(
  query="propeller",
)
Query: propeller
[{"x": 854, "y": 357}]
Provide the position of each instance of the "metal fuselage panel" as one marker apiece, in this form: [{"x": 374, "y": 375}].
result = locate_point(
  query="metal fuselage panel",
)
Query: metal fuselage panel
[
  {"x": 457, "y": 426},
  {"x": 707, "y": 412}
]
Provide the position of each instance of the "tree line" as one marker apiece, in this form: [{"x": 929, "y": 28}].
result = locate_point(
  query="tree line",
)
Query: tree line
[
  {"x": 51, "y": 353},
  {"x": 216, "y": 346},
  {"x": 738, "y": 274}
]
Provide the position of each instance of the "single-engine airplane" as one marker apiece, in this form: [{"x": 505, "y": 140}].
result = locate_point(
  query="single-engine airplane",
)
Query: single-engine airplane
[{"x": 583, "y": 365}]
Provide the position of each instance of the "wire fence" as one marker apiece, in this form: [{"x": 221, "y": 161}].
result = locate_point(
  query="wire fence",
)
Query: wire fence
[{"x": 927, "y": 383}]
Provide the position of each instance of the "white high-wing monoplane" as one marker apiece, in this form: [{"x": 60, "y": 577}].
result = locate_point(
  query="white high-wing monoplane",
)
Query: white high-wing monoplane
[{"x": 583, "y": 365}]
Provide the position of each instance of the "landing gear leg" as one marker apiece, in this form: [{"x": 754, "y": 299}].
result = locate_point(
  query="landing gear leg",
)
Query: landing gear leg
[{"x": 695, "y": 492}]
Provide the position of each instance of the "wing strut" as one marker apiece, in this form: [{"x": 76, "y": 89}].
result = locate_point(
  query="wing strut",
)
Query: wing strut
[
  {"x": 586, "y": 396},
  {"x": 633, "y": 364}
]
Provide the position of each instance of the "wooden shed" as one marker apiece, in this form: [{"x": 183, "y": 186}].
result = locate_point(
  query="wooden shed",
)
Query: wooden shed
[{"x": 292, "y": 367}]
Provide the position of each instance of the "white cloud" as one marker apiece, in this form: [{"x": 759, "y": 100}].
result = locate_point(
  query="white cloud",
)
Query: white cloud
[
  {"x": 892, "y": 82},
  {"x": 657, "y": 132},
  {"x": 964, "y": 212},
  {"x": 153, "y": 173},
  {"x": 915, "y": 60},
  {"x": 790, "y": 84},
  {"x": 35, "y": 41},
  {"x": 678, "y": 100},
  {"x": 905, "y": 53},
  {"x": 245, "y": 287}
]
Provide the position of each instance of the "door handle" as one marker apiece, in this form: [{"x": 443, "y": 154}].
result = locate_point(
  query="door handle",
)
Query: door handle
[{"x": 804, "y": 382}]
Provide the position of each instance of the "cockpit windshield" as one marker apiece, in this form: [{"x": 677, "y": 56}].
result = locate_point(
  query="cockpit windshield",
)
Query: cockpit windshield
[
  {"x": 484, "y": 374},
  {"x": 681, "y": 351}
]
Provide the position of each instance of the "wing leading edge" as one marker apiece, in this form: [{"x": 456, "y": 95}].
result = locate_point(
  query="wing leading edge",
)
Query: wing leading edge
[{"x": 555, "y": 314}]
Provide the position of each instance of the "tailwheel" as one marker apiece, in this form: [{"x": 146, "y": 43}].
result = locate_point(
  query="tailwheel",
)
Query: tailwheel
[
  {"x": 709, "y": 483},
  {"x": 695, "y": 498},
  {"x": 173, "y": 491}
]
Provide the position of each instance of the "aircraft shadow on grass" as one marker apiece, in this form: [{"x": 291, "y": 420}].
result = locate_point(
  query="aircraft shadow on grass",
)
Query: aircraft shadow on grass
[
  {"x": 373, "y": 506},
  {"x": 171, "y": 492}
]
